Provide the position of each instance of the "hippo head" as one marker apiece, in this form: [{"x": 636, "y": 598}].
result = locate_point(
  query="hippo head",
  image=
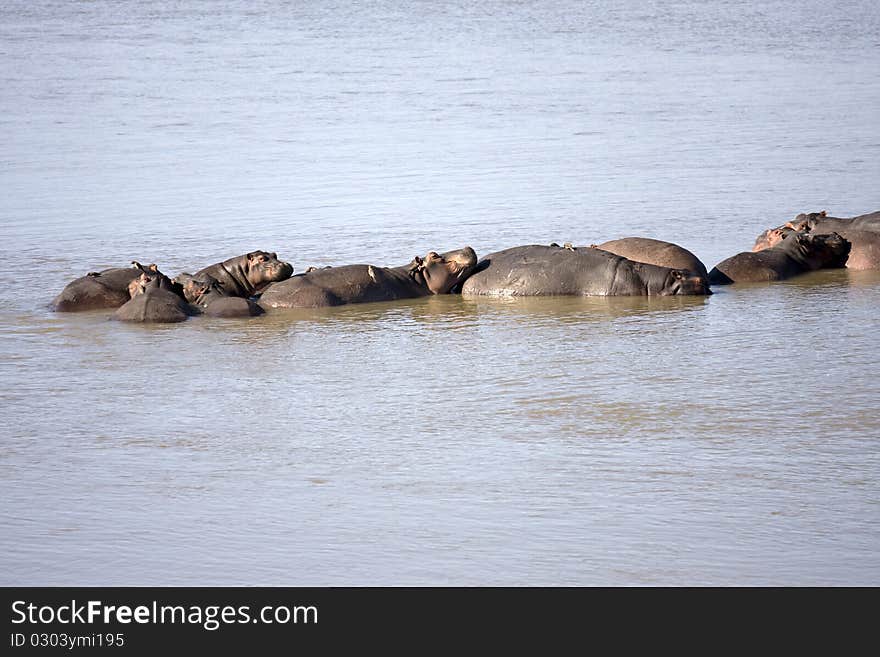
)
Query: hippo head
[
  {"x": 195, "y": 287},
  {"x": 684, "y": 282},
  {"x": 443, "y": 271},
  {"x": 806, "y": 220},
  {"x": 821, "y": 251},
  {"x": 150, "y": 277},
  {"x": 262, "y": 268},
  {"x": 771, "y": 237}
]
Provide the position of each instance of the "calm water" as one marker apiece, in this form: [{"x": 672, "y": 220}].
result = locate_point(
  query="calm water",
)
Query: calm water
[{"x": 728, "y": 440}]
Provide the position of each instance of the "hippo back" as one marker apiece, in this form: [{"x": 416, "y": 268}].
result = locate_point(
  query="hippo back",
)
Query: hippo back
[
  {"x": 154, "y": 305},
  {"x": 536, "y": 270},
  {"x": 338, "y": 286},
  {"x": 655, "y": 252},
  {"x": 105, "y": 289},
  {"x": 821, "y": 223},
  {"x": 231, "y": 307}
]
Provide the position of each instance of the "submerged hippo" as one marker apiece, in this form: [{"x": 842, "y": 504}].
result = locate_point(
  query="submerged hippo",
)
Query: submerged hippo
[
  {"x": 434, "y": 274},
  {"x": 204, "y": 293},
  {"x": 821, "y": 223},
  {"x": 864, "y": 244},
  {"x": 655, "y": 252},
  {"x": 245, "y": 275},
  {"x": 154, "y": 304},
  {"x": 105, "y": 289},
  {"x": 551, "y": 270},
  {"x": 797, "y": 253}
]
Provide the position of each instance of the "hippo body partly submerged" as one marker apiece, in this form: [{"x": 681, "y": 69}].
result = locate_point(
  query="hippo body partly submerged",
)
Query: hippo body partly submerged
[
  {"x": 537, "y": 270},
  {"x": 655, "y": 252},
  {"x": 865, "y": 251},
  {"x": 798, "y": 253},
  {"x": 865, "y": 244},
  {"x": 336, "y": 286},
  {"x": 154, "y": 303},
  {"x": 821, "y": 224},
  {"x": 155, "y": 306},
  {"x": 97, "y": 290},
  {"x": 155, "y": 298},
  {"x": 246, "y": 275},
  {"x": 204, "y": 293}
]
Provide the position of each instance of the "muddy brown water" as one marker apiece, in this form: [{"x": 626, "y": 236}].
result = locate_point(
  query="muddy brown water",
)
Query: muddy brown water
[{"x": 733, "y": 439}]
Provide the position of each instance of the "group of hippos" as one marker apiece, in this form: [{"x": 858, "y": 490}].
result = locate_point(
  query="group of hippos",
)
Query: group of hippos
[{"x": 246, "y": 285}]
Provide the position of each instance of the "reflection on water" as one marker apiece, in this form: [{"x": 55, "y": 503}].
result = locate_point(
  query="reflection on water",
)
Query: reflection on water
[
  {"x": 729, "y": 439},
  {"x": 577, "y": 309}
]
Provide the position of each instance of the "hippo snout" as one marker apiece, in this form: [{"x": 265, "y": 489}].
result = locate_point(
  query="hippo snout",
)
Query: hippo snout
[
  {"x": 700, "y": 285},
  {"x": 443, "y": 271},
  {"x": 695, "y": 287},
  {"x": 465, "y": 258},
  {"x": 284, "y": 270},
  {"x": 689, "y": 283}
]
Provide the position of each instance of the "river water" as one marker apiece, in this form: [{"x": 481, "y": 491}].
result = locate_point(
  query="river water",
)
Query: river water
[{"x": 733, "y": 439}]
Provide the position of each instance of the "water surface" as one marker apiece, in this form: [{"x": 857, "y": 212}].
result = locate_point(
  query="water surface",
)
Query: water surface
[{"x": 723, "y": 440}]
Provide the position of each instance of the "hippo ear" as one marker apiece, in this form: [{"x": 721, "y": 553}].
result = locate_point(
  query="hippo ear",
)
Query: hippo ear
[
  {"x": 273, "y": 255},
  {"x": 252, "y": 255},
  {"x": 824, "y": 213}
]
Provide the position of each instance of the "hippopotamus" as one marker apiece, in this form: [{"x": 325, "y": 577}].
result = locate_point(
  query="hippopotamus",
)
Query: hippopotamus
[
  {"x": 95, "y": 290},
  {"x": 207, "y": 297},
  {"x": 536, "y": 270},
  {"x": 436, "y": 273},
  {"x": 246, "y": 275},
  {"x": 797, "y": 253},
  {"x": 864, "y": 250},
  {"x": 820, "y": 222},
  {"x": 148, "y": 275},
  {"x": 771, "y": 237},
  {"x": 655, "y": 252},
  {"x": 154, "y": 303}
]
